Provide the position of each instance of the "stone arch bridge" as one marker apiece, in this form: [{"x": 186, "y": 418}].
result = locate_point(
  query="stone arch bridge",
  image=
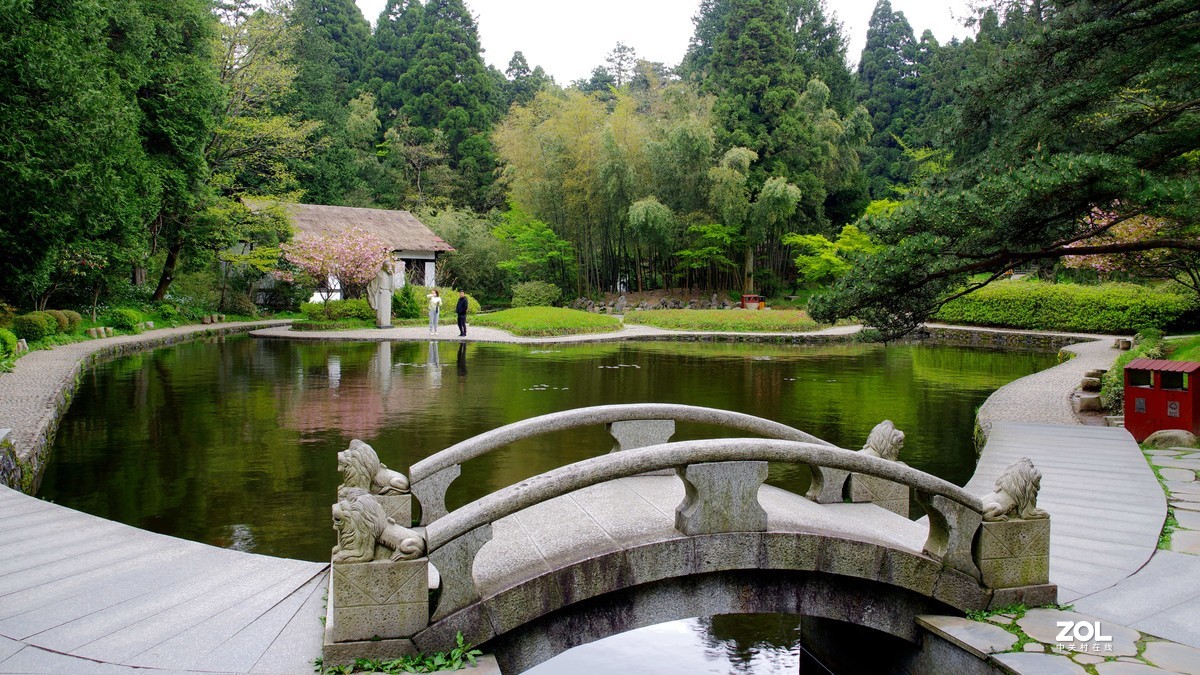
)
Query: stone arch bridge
[{"x": 656, "y": 531}]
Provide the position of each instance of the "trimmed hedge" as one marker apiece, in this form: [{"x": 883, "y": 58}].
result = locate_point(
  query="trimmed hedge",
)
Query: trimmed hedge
[
  {"x": 34, "y": 326},
  {"x": 535, "y": 294},
  {"x": 337, "y": 310},
  {"x": 449, "y": 300},
  {"x": 63, "y": 323},
  {"x": 123, "y": 319},
  {"x": 8, "y": 343},
  {"x": 1035, "y": 305},
  {"x": 74, "y": 320}
]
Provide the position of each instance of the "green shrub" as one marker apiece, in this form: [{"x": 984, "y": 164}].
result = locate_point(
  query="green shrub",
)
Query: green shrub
[
  {"x": 449, "y": 299},
  {"x": 405, "y": 304},
  {"x": 34, "y": 326},
  {"x": 239, "y": 303},
  {"x": 725, "y": 320},
  {"x": 8, "y": 343},
  {"x": 321, "y": 324},
  {"x": 335, "y": 310},
  {"x": 1034, "y": 305},
  {"x": 1148, "y": 345},
  {"x": 74, "y": 320},
  {"x": 7, "y": 314},
  {"x": 167, "y": 311},
  {"x": 123, "y": 319},
  {"x": 63, "y": 322},
  {"x": 535, "y": 294}
]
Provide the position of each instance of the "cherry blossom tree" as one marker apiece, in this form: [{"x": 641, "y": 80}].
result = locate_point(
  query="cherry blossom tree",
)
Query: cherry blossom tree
[{"x": 352, "y": 256}]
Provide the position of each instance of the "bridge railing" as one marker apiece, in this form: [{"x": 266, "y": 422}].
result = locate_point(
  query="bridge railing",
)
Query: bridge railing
[
  {"x": 631, "y": 425},
  {"x": 721, "y": 479}
]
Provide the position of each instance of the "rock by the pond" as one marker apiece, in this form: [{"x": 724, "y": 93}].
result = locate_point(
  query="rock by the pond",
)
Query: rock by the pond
[{"x": 1167, "y": 438}]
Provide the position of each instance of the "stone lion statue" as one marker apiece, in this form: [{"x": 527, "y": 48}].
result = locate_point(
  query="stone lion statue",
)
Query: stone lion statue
[
  {"x": 885, "y": 441},
  {"x": 1016, "y": 493},
  {"x": 360, "y": 523},
  {"x": 360, "y": 468}
]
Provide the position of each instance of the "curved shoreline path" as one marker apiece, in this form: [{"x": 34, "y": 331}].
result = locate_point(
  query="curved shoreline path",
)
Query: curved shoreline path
[
  {"x": 1106, "y": 506},
  {"x": 484, "y": 334}
]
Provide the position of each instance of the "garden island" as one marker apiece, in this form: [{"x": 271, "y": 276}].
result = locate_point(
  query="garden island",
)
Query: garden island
[{"x": 327, "y": 345}]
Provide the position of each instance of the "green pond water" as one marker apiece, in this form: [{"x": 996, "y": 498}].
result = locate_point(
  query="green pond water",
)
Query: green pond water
[{"x": 233, "y": 441}]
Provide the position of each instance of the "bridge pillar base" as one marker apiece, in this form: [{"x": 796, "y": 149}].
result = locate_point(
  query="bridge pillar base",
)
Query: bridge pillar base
[
  {"x": 380, "y": 599},
  {"x": 1014, "y": 553},
  {"x": 1030, "y": 596}
]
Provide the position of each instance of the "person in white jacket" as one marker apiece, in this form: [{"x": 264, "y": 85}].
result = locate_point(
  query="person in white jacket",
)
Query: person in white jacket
[{"x": 435, "y": 310}]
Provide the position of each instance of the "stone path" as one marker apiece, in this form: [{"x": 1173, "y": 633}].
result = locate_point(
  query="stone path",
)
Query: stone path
[
  {"x": 1045, "y": 397},
  {"x": 1107, "y": 509},
  {"x": 95, "y": 596}
]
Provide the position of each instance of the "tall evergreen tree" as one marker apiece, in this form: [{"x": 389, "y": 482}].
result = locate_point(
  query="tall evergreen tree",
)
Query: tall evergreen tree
[
  {"x": 1080, "y": 126},
  {"x": 887, "y": 73},
  {"x": 395, "y": 41},
  {"x": 821, "y": 52},
  {"x": 429, "y": 70},
  {"x": 329, "y": 58}
]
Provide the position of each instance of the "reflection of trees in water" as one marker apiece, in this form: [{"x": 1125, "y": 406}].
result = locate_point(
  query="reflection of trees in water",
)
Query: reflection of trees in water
[{"x": 772, "y": 639}]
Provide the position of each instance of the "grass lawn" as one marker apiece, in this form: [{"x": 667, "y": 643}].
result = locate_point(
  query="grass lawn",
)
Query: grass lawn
[
  {"x": 1185, "y": 349},
  {"x": 774, "y": 321},
  {"x": 547, "y": 321}
]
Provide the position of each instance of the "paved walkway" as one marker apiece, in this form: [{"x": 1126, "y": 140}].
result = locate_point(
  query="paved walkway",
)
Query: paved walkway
[
  {"x": 95, "y": 596},
  {"x": 1107, "y": 510}
]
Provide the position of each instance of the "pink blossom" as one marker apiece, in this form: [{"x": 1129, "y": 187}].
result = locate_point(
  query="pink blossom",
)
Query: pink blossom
[{"x": 352, "y": 256}]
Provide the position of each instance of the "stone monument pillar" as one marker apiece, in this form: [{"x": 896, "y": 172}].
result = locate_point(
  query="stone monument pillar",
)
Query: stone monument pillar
[{"x": 384, "y": 287}]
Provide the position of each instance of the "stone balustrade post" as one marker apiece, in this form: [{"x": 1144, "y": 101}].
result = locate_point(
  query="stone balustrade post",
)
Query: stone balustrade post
[
  {"x": 827, "y": 485},
  {"x": 632, "y": 434},
  {"x": 721, "y": 497},
  {"x": 455, "y": 562},
  {"x": 952, "y": 529},
  {"x": 431, "y": 493}
]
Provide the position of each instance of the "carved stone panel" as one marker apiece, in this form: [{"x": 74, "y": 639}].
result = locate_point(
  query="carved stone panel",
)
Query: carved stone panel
[
  {"x": 383, "y": 599},
  {"x": 1014, "y": 553}
]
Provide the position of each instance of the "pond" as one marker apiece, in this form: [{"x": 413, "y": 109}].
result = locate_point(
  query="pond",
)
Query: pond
[{"x": 232, "y": 441}]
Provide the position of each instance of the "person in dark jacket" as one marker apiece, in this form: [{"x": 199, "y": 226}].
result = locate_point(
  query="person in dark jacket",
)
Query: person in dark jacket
[{"x": 461, "y": 310}]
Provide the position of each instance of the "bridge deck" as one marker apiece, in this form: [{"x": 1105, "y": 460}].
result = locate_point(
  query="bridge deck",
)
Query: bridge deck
[
  {"x": 629, "y": 512},
  {"x": 83, "y": 594},
  {"x": 1106, "y": 506}
]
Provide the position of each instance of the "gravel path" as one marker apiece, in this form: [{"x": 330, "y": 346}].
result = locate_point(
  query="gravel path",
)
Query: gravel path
[{"x": 1045, "y": 397}]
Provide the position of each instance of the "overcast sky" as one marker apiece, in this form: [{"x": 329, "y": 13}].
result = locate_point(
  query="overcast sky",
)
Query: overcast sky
[{"x": 568, "y": 38}]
